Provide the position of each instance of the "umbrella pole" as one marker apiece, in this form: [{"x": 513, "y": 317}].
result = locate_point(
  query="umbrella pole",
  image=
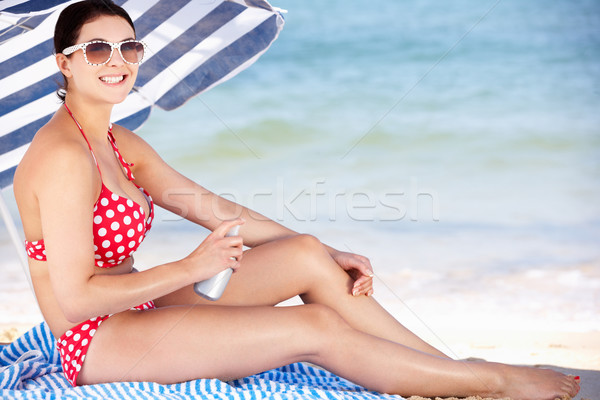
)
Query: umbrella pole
[{"x": 14, "y": 234}]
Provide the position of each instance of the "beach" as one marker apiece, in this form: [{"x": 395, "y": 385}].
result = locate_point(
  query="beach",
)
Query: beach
[{"x": 455, "y": 145}]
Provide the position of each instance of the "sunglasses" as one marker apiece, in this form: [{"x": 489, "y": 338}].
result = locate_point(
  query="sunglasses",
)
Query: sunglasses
[{"x": 99, "y": 52}]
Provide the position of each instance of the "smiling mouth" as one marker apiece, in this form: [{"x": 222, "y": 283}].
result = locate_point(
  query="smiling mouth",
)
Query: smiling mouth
[{"x": 112, "y": 79}]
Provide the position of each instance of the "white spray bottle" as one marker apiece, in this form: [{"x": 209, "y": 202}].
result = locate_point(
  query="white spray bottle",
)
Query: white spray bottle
[{"x": 213, "y": 288}]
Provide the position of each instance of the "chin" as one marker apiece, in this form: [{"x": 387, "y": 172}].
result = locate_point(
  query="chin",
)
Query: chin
[
  {"x": 114, "y": 98},
  {"x": 120, "y": 99}
]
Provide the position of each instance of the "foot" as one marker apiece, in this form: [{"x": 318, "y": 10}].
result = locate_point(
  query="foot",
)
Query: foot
[{"x": 525, "y": 383}]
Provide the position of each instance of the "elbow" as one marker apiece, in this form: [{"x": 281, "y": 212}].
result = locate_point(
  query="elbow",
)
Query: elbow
[
  {"x": 76, "y": 301},
  {"x": 73, "y": 315},
  {"x": 74, "y": 311}
]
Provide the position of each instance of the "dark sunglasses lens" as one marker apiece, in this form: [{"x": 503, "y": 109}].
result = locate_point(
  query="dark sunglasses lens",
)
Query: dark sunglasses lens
[
  {"x": 98, "y": 53},
  {"x": 132, "y": 52}
]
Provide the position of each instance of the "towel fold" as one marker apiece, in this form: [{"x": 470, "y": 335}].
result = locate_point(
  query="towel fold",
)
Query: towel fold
[{"x": 30, "y": 369}]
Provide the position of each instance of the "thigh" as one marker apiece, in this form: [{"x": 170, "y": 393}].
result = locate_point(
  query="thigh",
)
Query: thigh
[
  {"x": 269, "y": 274},
  {"x": 179, "y": 343}
]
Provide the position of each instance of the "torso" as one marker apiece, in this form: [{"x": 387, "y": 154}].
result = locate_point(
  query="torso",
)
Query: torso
[{"x": 113, "y": 176}]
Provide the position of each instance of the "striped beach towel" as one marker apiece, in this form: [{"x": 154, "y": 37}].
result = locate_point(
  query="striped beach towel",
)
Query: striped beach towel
[{"x": 30, "y": 369}]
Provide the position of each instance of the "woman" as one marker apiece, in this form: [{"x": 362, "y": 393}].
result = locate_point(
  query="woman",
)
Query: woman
[{"x": 84, "y": 214}]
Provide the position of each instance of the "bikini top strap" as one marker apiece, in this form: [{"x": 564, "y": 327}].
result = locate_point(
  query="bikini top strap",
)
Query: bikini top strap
[
  {"x": 86, "y": 139},
  {"x": 126, "y": 166}
]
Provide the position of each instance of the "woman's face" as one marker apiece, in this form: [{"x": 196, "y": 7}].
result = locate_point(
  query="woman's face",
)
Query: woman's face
[{"x": 111, "y": 82}]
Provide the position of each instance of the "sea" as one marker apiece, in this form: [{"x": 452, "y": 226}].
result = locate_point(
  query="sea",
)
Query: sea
[{"x": 456, "y": 144}]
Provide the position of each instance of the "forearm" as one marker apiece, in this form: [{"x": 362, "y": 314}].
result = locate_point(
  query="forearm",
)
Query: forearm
[
  {"x": 104, "y": 294},
  {"x": 212, "y": 210},
  {"x": 191, "y": 201},
  {"x": 205, "y": 208},
  {"x": 258, "y": 229}
]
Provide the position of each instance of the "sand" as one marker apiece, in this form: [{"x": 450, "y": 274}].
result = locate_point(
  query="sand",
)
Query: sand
[{"x": 8, "y": 335}]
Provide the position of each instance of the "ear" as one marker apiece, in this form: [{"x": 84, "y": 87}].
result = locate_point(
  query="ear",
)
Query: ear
[{"x": 64, "y": 65}]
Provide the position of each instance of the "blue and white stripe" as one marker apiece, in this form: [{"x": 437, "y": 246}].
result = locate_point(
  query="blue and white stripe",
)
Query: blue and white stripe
[
  {"x": 193, "y": 46},
  {"x": 42, "y": 378}
]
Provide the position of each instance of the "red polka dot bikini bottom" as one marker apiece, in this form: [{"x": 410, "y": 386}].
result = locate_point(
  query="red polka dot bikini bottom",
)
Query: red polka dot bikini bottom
[{"x": 74, "y": 344}]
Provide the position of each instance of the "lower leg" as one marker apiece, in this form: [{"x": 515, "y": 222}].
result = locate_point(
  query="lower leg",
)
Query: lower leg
[
  {"x": 388, "y": 367},
  {"x": 391, "y": 368},
  {"x": 320, "y": 280},
  {"x": 332, "y": 286}
]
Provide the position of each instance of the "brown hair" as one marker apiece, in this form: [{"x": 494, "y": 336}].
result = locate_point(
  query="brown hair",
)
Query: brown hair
[{"x": 71, "y": 20}]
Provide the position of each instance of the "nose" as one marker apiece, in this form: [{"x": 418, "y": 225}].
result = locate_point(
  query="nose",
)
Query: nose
[{"x": 115, "y": 58}]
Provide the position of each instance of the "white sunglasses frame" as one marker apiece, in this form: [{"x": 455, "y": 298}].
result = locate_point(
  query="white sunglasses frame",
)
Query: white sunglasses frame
[{"x": 72, "y": 49}]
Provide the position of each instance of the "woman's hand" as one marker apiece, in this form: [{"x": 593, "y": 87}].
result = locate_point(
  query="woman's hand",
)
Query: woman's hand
[
  {"x": 359, "y": 268},
  {"x": 217, "y": 252}
]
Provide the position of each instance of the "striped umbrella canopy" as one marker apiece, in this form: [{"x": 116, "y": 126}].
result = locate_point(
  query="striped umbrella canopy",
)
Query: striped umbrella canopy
[{"x": 193, "y": 45}]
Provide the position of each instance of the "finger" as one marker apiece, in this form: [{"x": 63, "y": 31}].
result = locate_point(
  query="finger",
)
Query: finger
[
  {"x": 236, "y": 261},
  {"x": 240, "y": 257},
  {"x": 238, "y": 252},
  {"x": 363, "y": 286},
  {"x": 234, "y": 242},
  {"x": 364, "y": 266},
  {"x": 225, "y": 226},
  {"x": 363, "y": 281},
  {"x": 232, "y": 246},
  {"x": 369, "y": 268},
  {"x": 362, "y": 291}
]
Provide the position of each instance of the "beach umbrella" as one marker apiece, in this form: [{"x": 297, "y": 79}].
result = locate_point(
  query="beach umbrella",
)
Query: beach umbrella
[{"x": 193, "y": 45}]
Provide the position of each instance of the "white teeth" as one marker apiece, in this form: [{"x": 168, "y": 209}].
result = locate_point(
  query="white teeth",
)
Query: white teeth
[{"x": 112, "y": 79}]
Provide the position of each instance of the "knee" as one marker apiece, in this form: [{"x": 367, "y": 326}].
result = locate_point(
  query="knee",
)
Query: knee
[
  {"x": 323, "y": 329},
  {"x": 308, "y": 244},
  {"x": 318, "y": 268},
  {"x": 324, "y": 319},
  {"x": 310, "y": 250}
]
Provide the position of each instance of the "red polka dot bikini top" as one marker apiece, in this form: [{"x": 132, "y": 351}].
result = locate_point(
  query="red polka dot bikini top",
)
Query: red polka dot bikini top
[{"x": 120, "y": 225}]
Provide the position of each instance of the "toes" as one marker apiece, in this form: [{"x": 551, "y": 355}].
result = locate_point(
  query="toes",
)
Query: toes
[
  {"x": 577, "y": 381},
  {"x": 573, "y": 385}
]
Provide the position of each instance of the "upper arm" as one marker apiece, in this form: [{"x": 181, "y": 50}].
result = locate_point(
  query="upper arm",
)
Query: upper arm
[{"x": 66, "y": 187}]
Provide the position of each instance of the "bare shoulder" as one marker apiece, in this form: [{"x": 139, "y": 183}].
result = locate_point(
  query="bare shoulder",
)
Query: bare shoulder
[
  {"x": 134, "y": 148},
  {"x": 56, "y": 156},
  {"x": 128, "y": 139},
  {"x": 56, "y": 167}
]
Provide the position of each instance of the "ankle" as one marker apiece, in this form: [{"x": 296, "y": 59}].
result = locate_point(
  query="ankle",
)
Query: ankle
[{"x": 492, "y": 377}]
